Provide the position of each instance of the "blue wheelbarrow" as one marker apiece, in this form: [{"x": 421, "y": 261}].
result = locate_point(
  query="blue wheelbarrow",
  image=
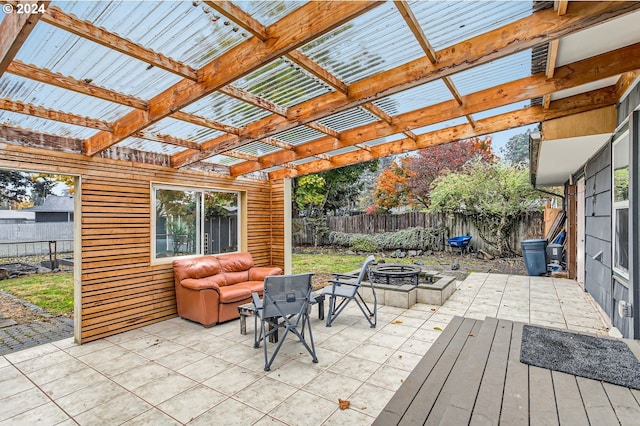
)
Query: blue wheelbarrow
[{"x": 460, "y": 242}]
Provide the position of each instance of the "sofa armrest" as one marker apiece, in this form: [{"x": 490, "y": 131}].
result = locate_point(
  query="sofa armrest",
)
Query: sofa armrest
[
  {"x": 260, "y": 272},
  {"x": 203, "y": 283}
]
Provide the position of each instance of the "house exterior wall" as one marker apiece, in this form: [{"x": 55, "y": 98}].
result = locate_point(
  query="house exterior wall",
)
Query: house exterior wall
[
  {"x": 120, "y": 287},
  {"x": 599, "y": 277},
  {"x": 54, "y": 217}
]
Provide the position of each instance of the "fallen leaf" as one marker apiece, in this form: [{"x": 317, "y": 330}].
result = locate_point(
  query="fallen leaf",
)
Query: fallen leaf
[
  {"x": 399, "y": 356},
  {"x": 433, "y": 309},
  {"x": 437, "y": 328},
  {"x": 344, "y": 403},
  {"x": 471, "y": 334},
  {"x": 396, "y": 322}
]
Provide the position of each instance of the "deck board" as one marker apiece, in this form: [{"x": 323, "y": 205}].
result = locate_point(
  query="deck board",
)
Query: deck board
[{"x": 472, "y": 375}]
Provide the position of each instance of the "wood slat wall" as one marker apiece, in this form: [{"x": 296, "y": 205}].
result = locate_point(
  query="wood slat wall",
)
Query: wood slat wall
[{"x": 121, "y": 289}]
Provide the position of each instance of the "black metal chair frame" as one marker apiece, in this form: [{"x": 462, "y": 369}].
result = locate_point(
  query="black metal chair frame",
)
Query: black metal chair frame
[
  {"x": 350, "y": 292},
  {"x": 288, "y": 311}
]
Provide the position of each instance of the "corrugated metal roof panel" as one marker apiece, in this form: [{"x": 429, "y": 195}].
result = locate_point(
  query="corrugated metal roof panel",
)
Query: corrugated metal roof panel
[
  {"x": 299, "y": 135},
  {"x": 85, "y": 60},
  {"x": 282, "y": 83},
  {"x": 223, "y": 160},
  {"x": 501, "y": 110},
  {"x": 344, "y": 150},
  {"x": 183, "y": 130},
  {"x": 384, "y": 140},
  {"x": 33, "y": 92},
  {"x": 189, "y": 32},
  {"x": 349, "y": 119},
  {"x": 45, "y": 126},
  {"x": 441, "y": 125},
  {"x": 419, "y": 97},
  {"x": 449, "y": 22},
  {"x": 226, "y": 109},
  {"x": 146, "y": 145},
  {"x": 257, "y": 148},
  {"x": 375, "y": 41},
  {"x": 269, "y": 12},
  {"x": 494, "y": 73}
]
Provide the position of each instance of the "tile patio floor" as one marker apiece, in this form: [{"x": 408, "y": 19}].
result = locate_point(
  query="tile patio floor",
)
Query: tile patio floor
[{"x": 177, "y": 372}]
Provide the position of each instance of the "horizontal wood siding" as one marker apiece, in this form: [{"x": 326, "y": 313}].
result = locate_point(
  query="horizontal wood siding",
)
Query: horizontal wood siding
[{"x": 121, "y": 289}]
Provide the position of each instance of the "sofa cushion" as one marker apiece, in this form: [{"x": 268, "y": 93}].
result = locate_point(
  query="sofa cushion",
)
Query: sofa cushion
[
  {"x": 235, "y": 266},
  {"x": 260, "y": 272},
  {"x": 214, "y": 281},
  {"x": 253, "y": 286},
  {"x": 234, "y": 293},
  {"x": 196, "y": 267}
]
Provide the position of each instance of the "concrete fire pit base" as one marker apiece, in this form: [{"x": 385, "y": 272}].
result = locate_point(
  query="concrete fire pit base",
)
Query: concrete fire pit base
[{"x": 432, "y": 289}]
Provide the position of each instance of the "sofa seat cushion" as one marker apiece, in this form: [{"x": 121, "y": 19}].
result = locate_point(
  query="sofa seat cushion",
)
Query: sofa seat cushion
[
  {"x": 232, "y": 278},
  {"x": 234, "y": 293}
]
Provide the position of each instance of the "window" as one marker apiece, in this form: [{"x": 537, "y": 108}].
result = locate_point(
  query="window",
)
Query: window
[
  {"x": 191, "y": 221},
  {"x": 620, "y": 211}
]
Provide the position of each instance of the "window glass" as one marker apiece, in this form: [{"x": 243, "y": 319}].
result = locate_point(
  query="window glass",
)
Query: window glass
[
  {"x": 194, "y": 221},
  {"x": 620, "y": 166}
]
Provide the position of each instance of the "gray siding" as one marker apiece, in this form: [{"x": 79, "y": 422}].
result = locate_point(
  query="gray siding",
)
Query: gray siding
[{"x": 597, "y": 279}]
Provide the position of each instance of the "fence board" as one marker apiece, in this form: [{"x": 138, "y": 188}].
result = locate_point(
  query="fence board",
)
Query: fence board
[{"x": 530, "y": 225}]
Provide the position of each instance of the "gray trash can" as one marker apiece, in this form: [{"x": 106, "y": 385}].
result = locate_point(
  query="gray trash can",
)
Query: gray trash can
[{"x": 534, "y": 253}]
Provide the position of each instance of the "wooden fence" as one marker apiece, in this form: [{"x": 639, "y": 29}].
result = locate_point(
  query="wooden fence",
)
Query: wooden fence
[
  {"x": 530, "y": 225},
  {"x": 27, "y": 239}
]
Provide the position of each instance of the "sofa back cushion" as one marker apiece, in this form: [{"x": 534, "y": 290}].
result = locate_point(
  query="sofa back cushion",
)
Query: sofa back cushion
[
  {"x": 235, "y": 266},
  {"x": 196, "y": 267}
]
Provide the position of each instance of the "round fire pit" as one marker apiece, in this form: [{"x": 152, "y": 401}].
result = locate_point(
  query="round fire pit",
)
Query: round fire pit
[{"x": 395, "y": 274}]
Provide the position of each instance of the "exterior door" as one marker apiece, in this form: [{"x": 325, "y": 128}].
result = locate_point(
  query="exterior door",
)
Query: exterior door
[{"x": 580, "y": 231}]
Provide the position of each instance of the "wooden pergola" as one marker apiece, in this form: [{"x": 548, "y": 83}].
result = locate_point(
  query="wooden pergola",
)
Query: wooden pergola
[{"x": 242, "y": 96}]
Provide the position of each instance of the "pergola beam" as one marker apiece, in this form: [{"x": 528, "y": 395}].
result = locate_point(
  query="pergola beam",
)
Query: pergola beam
[
  {"x": 55, "y": 115},
  {"x": 14, "y": 30},
  {"x": 240, "y": 17},
  {"x": 568, "y": 76},
  {"x": 56, "y": 17},
  {"x": 168, "y": 139},
  {"x": 69, "y": 83},
  {"x": 484, "y": 48},
  {"x": 561, "y": 108},
  {"x": 294, "y": 30}
]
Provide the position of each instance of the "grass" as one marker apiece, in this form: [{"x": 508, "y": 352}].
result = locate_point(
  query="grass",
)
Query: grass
[
  {"x": 325, "y": 263},
  {"x": 52, "y": 292}
]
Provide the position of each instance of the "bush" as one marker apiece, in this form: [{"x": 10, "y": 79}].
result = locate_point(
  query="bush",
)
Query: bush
[{"x": 407, "y": 239}]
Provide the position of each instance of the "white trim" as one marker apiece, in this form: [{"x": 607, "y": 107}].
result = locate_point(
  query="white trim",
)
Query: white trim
[{"x": 617, "y": 205}]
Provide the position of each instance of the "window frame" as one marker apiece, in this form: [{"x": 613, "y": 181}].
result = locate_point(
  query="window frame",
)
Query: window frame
[
  {"x": 201, "y": 190},
  {"x": 618, "y": 138}
]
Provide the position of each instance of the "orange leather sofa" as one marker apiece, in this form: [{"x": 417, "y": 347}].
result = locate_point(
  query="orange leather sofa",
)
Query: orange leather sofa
[{"x": 210, "y": 288}]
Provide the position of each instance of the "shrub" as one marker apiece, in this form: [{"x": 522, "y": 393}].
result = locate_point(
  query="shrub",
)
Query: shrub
[{"x": 407, "y": 239}]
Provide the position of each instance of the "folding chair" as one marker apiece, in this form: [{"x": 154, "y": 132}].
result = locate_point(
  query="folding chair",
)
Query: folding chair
[
  {"x": 284, "y": 305},
  {"x": 348, "y": 291}
]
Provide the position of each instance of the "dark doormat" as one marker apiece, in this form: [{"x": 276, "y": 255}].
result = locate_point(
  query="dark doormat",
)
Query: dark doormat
[{"x": 598, "y": 358}]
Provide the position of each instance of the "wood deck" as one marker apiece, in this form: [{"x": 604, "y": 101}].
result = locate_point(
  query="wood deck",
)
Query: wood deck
[{"x": 473, "y": 375}]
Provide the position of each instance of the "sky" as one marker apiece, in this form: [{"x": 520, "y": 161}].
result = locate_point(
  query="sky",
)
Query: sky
[{"x": 500, "y": 139}]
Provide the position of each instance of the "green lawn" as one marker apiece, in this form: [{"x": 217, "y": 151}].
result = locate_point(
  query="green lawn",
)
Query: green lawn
[{"x": 52, "y": 292}]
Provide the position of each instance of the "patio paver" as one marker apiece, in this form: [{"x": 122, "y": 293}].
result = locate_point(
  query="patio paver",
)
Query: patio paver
[{"x": 177, "y": 372}]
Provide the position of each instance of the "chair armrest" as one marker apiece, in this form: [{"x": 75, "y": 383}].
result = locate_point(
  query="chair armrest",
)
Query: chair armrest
[
  {"x": 336, "y": 282},
  {"x": 200, "y": 284},
  {"x": 338, "y": 276},
  {"x": 257, "y": 302},
  {"x": 259, "y": 273}
]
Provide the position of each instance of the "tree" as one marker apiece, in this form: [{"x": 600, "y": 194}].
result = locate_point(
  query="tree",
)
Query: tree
[
  {"x": 493, "y": 195},
  {"x": 13, "y": 188},
  {"x": 516, "y": 151},
  {"x": 391, "y": 186},
  {"x": 412, "y": 185},
  {"x": 42, "y": 186}
]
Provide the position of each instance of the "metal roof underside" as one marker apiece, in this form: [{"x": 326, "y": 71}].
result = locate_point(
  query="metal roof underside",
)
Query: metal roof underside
[{"x": 333, "y": 83}]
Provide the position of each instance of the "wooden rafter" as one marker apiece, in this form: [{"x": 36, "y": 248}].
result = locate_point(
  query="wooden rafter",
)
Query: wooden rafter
[
  {"x": 416, "y": 29},
  {"x": 15, "y": 28},
  {"x": 278, "y": 143},
  {"x": 69, "y": 83},
  {"x": 568, "y": 76},
  {"x": 561, "y": 108},
  {"x": 560, "y": 7},
  {"x": 240, "y": 17},
  {"x": 56, "y": 17},
  {"x": 51, "y": 114},
  {"x": 517, "y": 36},
  {"x": 243, "y": 95},
  {"x": 625, "y": 81},
  {"x": 204, "y": 122},
  {"x": 242, "y": 156},
  {"x": 303, "y": 25},
  {"x": 168, "y": 139}
]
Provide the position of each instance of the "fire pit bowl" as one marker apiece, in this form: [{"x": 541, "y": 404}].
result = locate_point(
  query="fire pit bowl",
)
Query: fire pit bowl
[{"x": 395, "y": 274}]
